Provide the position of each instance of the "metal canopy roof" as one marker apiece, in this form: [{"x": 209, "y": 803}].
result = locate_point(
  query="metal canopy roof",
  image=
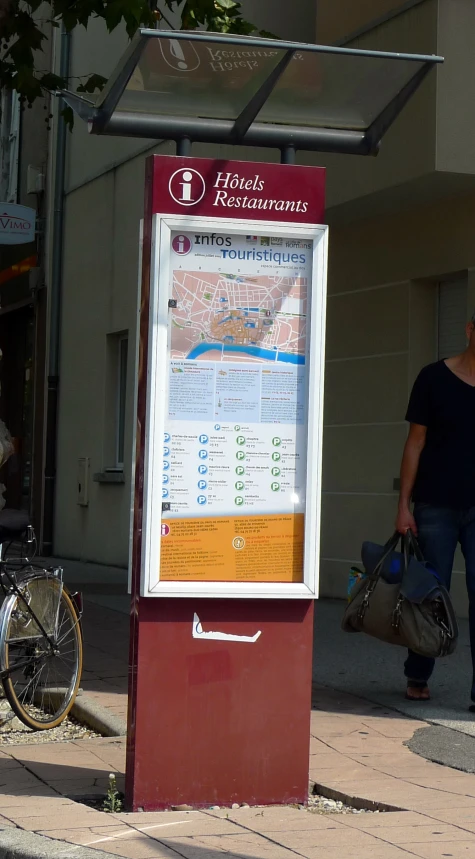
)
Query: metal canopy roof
[{"x": 216, "y": 88}]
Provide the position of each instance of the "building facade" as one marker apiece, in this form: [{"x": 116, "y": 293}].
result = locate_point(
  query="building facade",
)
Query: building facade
[
  {"x": 401, "y": 282},
  {"x": 401, "y": 278}
]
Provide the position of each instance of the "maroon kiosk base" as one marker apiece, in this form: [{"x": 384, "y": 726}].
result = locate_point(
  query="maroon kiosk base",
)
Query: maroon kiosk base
[{"x": 213, "y": 722}]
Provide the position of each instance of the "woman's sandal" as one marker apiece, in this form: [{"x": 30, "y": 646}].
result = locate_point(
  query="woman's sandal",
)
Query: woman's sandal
[{"x": 419, "y": 686}]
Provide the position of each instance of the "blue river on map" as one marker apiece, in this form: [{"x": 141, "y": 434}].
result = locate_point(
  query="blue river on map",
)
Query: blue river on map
[{"x": 255, "y": 351}]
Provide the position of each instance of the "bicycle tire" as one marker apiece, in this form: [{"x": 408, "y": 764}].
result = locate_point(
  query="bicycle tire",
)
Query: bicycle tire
[{"x": 42, "y": 691}]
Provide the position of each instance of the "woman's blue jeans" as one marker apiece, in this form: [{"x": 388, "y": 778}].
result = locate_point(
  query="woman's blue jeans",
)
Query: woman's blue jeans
[{"x": 439, "y": 531}]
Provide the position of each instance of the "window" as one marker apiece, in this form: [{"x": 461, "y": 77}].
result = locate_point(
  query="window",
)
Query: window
[
  {"x": 452, "y": 317},
  {"x": 122, "y": 352},
  {"x": 116, "y": 436}
]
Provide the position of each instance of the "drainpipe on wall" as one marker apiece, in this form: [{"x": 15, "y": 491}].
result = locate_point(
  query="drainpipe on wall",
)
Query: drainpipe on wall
[{"x": 55, "y": 308}]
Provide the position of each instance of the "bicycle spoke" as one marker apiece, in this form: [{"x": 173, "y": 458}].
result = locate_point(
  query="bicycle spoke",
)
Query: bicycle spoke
[{"x": 26, "y": 688}]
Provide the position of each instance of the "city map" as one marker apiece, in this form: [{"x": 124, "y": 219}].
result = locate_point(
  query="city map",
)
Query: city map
[{"x": 247, "y": 318}]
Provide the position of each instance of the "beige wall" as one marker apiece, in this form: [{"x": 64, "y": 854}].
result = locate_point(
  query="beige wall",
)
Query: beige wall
[
  {"x": 95, "y": 50},
  {"x": 336, "y": 19},
  {"x": 428, "y": 152},
  {"x": 99, "y": 298},
  {"x": 382, "y": 312},
  {"x": 297, "y": 24},
  {"x": 408, "y": 151},
  {"x": 456, "y": 90}
]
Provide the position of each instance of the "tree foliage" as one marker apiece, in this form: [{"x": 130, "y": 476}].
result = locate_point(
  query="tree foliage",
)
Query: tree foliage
[{"x": 24, "y": 27}]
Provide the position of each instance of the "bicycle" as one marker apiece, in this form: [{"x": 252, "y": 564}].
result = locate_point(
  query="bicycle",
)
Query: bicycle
[{"x": 40, "y": 630}]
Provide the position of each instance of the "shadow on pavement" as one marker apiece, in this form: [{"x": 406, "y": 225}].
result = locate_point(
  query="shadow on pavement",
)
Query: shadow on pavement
[{"x": 363, "y": 666}]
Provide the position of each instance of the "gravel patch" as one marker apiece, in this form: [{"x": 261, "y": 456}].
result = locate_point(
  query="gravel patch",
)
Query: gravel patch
[
  {"x": 317, "y": 804},
  {"x": 14, "y": 732},
  {"x": 322, "y": 805}
]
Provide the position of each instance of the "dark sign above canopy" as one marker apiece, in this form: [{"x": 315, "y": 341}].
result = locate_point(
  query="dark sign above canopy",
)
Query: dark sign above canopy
[{"x": 217, "y": 88}]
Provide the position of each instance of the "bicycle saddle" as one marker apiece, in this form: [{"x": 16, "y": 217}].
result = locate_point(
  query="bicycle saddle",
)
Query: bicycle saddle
[{"x": 13, "y": 523}]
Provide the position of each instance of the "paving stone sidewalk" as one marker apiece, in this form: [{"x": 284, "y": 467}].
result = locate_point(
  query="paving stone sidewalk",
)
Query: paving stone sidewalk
[{"x": 357, "y": 751}]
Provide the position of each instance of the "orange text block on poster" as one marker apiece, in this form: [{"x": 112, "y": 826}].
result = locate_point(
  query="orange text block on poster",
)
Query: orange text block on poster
[{"x": 233, "y": 549}]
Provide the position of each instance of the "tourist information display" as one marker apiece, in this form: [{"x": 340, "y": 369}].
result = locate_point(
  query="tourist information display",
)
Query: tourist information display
[{"x": 235, "y": 382}]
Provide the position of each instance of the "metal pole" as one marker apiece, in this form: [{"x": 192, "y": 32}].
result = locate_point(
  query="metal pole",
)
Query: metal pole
[
  {"x": 287, "y": 155},
  {"x": 55, "y": 310},
  {"x": 183, "y": 146}
]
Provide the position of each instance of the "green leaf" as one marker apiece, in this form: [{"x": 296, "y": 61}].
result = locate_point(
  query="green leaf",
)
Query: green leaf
[
  {"x": 23, "y": 39},
  {"x": 93, "y": 82},
  {"x": 52, "y": 82},
  {"x": 68, "y": 115}
]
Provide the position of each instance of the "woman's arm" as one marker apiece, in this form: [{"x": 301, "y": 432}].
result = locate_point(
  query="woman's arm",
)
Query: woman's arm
[{"x": 410, "y": 463}]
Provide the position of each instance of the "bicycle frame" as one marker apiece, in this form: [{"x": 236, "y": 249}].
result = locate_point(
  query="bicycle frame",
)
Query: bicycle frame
[
  {"x": 32, "y": 634},
  {"x": 29, "y": 572}
]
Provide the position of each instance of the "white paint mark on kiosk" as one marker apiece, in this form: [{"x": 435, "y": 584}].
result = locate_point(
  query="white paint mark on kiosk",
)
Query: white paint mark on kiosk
[{"x": 198, "y": 632}]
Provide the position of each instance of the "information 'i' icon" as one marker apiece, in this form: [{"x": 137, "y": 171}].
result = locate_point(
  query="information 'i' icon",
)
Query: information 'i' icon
[{"x": 186, "y": 185}]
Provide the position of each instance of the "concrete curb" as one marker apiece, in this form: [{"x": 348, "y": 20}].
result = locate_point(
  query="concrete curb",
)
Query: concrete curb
[
  {"x": 90, "y": 713},
  {"x": 18, "y": 844}
]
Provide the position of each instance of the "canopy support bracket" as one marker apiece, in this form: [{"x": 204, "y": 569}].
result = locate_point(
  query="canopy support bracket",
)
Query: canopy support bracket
[{"x": 258, "y": 100}]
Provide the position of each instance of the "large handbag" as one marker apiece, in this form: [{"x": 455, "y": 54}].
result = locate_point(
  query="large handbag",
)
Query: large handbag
[{"x": 401, "y": 600}]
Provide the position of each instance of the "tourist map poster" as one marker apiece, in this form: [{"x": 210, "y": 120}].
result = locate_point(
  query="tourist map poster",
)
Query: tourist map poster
[{"x": 234, "y": 459}]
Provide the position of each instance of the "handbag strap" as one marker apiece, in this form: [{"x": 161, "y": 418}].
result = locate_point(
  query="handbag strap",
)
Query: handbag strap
[
  {"x": 387, "y": 549},
  {"x": 411, "y": 546}
]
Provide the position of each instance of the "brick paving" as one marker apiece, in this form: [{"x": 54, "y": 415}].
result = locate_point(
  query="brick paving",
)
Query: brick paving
[{"x": 357, "y": 751}]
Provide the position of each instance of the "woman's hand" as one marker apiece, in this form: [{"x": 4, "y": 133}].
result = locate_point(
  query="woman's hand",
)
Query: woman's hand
[{"x": 405, "y": 521}]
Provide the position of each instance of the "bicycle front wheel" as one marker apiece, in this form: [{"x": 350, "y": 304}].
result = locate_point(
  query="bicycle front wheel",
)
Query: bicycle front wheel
[{"x": 41, "y": 672}]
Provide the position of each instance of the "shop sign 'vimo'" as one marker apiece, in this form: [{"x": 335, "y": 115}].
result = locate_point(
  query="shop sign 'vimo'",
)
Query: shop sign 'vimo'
[
  {"x": 233, "y": 310},
  {"x": 17, "y": 224}
]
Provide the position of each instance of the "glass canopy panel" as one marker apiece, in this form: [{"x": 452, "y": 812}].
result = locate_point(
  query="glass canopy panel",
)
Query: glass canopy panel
[
  {"x": 336, "y": 90},
  {"x": 178, "y": 77},
  {"x": 213, "y": 79}
]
